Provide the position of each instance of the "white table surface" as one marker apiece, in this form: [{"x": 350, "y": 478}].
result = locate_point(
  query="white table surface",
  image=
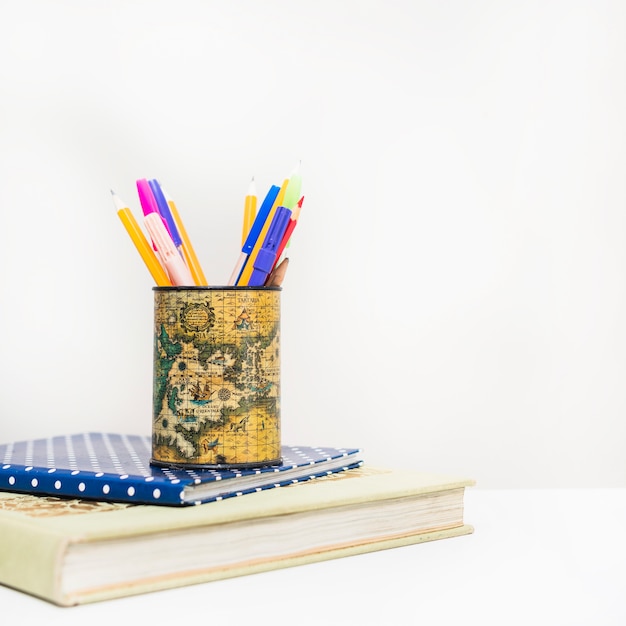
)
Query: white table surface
[{"x": 554, "y": 557}]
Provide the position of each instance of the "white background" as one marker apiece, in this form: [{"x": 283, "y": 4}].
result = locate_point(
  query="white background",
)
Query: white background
[{"x": 456, "y": 299}]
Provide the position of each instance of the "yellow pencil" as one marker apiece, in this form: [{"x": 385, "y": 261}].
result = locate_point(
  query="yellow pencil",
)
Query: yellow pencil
[
  {"x": 249, "y": 212},
  {"x": 249, "y": 266},
  {"x": 141, "y": 243},
  {"x": 188, "y": 252}
]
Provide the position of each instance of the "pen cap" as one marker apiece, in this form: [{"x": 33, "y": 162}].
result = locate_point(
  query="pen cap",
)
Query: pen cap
[
  {"x": 146, "y": 198},
  {"x": 165, "y": 212},
  {"x": 267, "y": 254},
  {"x": 177, "y": 271}
]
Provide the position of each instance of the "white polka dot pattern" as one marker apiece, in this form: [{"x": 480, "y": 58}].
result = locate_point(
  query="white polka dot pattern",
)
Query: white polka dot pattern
[{"x": 116, "y": 467}]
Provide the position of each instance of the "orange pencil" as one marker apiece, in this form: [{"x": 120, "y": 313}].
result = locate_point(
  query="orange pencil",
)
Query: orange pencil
[{"x": 188, "y": 252}]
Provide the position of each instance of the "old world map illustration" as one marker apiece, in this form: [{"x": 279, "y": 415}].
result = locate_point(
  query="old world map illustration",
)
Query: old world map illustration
[{"x": 216, "y": 377}]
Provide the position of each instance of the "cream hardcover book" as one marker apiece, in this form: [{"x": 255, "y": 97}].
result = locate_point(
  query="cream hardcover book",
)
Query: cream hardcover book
[{"x": 72, "y": 551}]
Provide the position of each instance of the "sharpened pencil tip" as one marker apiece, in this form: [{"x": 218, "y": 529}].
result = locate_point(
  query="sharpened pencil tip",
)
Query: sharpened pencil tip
[
  {"x": 296, "y": 169},
  {"x": 277, "y": 276}
]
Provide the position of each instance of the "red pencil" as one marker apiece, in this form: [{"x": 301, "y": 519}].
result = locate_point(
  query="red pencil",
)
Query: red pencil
[{"x": 292, "y": 224}]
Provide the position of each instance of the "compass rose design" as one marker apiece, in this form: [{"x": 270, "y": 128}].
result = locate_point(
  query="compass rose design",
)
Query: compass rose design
[{"x": 197, "y": 316}]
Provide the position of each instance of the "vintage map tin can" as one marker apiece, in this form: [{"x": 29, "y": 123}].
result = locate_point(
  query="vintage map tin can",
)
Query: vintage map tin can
[{"x": 216, "y": 377}]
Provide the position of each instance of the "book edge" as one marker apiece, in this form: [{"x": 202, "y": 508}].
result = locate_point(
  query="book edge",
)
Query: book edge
[
  {"x": 139, "y": 489},
  {"x": 200, "y": 577}
]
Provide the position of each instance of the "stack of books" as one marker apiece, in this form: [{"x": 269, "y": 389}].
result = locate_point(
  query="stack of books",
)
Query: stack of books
[{"x": 86, "y": 517}]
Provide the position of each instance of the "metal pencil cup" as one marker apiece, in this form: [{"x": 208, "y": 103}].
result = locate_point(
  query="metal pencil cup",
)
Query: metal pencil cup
[{"x": 216, "y": 377}]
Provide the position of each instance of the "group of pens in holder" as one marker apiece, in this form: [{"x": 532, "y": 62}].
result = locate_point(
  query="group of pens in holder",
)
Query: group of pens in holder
[{"x": 170, "y": 257}]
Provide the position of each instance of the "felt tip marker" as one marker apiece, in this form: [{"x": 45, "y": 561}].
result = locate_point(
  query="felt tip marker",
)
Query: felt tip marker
[{"x": 174, "y": 265}]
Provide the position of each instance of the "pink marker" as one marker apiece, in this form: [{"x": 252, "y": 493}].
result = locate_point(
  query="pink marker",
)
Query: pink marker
[
  {"x": 149, "y": 204},
  {"x": 175, "y": 267},
  {"x": 146, "y": 198}
]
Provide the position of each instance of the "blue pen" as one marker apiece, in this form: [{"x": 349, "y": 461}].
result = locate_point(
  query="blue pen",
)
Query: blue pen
[
  {"x": 254, "y": 233},
  {"x": 166, "y": 214},
  {"x": 266, "y": 256}
]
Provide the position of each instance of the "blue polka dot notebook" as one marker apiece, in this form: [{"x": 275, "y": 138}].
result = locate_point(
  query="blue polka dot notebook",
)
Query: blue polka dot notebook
[{"x": 116, "y": 468}]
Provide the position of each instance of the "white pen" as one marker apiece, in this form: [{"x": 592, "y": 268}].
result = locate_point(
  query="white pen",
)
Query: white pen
[{"x": 175, "y": 267}]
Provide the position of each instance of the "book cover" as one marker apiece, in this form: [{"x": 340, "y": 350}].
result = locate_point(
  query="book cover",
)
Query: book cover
[
  {"x": 116, "y": 468},
  {"x": 72, "y": 551}
]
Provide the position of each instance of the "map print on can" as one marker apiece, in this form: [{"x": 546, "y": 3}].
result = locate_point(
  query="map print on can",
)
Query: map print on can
[{"x": 216, "y": 386}]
